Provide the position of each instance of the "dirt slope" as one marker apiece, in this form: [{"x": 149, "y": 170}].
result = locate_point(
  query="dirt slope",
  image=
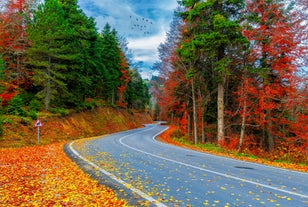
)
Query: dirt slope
[{"x": 19, "y": 132}]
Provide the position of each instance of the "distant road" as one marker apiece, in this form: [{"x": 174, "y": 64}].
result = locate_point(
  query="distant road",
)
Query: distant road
[{"x": 167, "y": 175}]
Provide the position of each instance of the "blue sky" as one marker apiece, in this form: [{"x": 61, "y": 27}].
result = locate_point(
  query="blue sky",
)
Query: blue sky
[{"x": 143, "y": 23}]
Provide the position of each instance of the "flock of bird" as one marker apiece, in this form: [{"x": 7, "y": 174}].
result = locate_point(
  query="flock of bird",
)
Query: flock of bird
[{"x": 140, "y": 24}]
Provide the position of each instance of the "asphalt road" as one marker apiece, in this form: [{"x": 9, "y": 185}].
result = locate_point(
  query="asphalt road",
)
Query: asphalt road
[{"x": 165, "y": 175}]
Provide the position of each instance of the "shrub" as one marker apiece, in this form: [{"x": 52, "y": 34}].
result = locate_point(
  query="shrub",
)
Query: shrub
[
  {"x": 25, "y": 121},
  {"x": 15, "y": 106},
  {"x": 61, "y": 111},
  {"x": 33, "y": 114},
  {"x": 35, "y": 105}
]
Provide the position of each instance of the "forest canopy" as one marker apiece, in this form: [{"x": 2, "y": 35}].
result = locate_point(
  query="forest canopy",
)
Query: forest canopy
[
  {"x": 53, "y": 57},
  {"x": 235, "y": 73}
]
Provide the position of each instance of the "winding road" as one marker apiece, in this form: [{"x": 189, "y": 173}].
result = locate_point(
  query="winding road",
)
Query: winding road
[{"x": 148, "y": 172}]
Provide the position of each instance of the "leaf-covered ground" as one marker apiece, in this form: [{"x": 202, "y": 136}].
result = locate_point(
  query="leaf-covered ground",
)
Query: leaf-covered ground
[
  {"x": 166, "y": 137},
  {"x": 45, "y": 176}
]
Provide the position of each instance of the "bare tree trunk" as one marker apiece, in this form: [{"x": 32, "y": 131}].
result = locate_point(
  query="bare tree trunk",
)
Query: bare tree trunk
[
  {"x": 48, "y": 86},
  {"x": 243, "y": 125},
  {"x": 188, "y": 125},
  {"x": 202, "y": 124},
  {"x": 220, "y": 112},
  {"x": 195, "y": 115},
  {"x": 270, "y": 136}
]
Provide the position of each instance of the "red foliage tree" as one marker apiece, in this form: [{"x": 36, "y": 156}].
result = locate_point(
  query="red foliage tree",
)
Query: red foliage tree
[
  {"x": 271, "y": 92},
  {"x": 13, "y": 40},
  {"x": 124, "y": 79}
]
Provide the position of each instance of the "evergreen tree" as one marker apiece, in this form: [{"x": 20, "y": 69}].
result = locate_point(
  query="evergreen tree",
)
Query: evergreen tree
[
  {"x": 48, "y": 52},
  {"x": 137, "y": 93},
  {"x": 111, "y": 59},
  {"x": 82, "y": 43},
  {"x": 212, "y": 39}
]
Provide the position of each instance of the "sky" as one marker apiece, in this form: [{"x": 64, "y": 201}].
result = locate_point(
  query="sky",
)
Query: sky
[{"x": 143, "y": 23}]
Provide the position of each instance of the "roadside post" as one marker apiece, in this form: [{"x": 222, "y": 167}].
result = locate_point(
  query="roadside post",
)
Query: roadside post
[{"x": 38, "y": 124}]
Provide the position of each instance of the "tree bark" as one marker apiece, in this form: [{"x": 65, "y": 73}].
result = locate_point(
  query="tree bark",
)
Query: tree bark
[
  {"x": 195, "y": 115},
  {"x": 220, "y": 112},
  {"x": 203, "y": 125},
  {"x": 48, "y": 85},
  {"x": 243, "y": 125}
]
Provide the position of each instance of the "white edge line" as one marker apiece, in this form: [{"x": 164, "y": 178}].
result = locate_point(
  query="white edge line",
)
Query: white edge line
[
  {"x": 227, "y": 158},
  {"x": 117, "y": 179},
  {"x": 210, "y": 171}
]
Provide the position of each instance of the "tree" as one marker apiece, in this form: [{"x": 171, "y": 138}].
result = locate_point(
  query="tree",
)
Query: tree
[
  {"x": 136, "y": 94},
  {"x": 48, "y": 53},
  {"x": 214, "y": 31},
  {"x": 111, "y": 59},
  {"x": 13, "y": 40},
  {"x": 83, "y": 61},
  {"x": 124, "y": 80},
  {"x": 273, "y": 32}
]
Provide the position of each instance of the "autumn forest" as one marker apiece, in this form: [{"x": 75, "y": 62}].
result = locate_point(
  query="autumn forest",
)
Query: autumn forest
[
  {"x": 232, "y": 80},
  {"x": 232, "y": 73}
]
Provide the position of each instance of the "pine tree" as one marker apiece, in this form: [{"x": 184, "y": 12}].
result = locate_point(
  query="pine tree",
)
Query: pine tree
[
  {"x": 82, "y": 42},
  {"x": 49, "y": 52},
  {"x": 212, "y": 38},
  {"x": 111, "y": 59},
  {"x": 137, "y": 94}
]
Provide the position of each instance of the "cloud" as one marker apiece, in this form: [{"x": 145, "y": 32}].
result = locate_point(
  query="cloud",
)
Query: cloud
[
  {"x": 145, "y": 49},
  {"x": 143, "y": 23}
]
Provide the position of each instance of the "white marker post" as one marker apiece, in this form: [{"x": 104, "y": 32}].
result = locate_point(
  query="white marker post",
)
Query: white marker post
[{"x": 38, "y": 124}]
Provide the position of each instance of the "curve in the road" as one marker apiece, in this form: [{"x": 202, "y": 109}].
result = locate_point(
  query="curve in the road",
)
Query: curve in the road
[
  {"x": 210, "y": 171},
  {"x": 115, "y": 178},
  {"x": 124, "y": 141}
]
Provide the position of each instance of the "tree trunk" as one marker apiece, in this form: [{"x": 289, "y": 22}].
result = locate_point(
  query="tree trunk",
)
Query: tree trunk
[
  {"x": 243, "y": 125},
  {"x": 188, "y": 125},
  {"x": 48, "y": 86},
  {"x": 270, "y": 137},
  {"x": 202, "y": 124},
  {"x": 220, "y": 112},
  {"x": 195, "y": 115}
]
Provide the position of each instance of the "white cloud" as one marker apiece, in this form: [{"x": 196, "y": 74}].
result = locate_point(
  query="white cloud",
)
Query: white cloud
[
  {"x": 143, "y": 22},
  {"x": 145, "y": 49}
]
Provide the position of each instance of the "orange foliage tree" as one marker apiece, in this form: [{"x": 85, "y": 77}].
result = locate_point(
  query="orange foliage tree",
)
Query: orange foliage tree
[
  {"x": 124, "y": 80},
  {"x": 274, "y": 100},
  {"x": 13, "y": 40}
]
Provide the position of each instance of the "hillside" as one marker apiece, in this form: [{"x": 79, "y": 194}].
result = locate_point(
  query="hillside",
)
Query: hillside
[{"x": 20, "y": 132}]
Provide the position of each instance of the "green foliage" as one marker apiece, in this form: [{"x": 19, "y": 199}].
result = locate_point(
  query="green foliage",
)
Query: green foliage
[
  {"x": 60, "y": 111},
  {"x": 15, "y": 107},
  {"x": 137, "y": 94},
  {"x": 189, "y": 74},
  {"x": 111, "y": 59},
  {"x": 33, "y": 115},
  {"x": 26, "y": 121},
  {"x": 35, "y": 105},
  {"x": 48, "y": 51},
  {"x": 71, "y": 62},
  {"x": 89, "y": 104}
]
